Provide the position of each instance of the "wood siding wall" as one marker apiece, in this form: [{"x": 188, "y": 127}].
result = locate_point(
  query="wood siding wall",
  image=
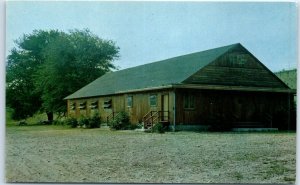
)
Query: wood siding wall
[
  {"x": 237, "y": 67},
  {"x": 211, "y": 106},
  {"x": 140, "y": 106},
  {"x": 235, "y": 108}
]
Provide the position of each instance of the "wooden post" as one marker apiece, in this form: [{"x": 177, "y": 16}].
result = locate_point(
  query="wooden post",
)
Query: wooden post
[
  {"x": 174, "y": 111},
  {"x": 68, "y": 108},
  {"x": 289, "y": 111},
  {"x": 151, "y": 121},
  {"x": 151, "y": 117}
]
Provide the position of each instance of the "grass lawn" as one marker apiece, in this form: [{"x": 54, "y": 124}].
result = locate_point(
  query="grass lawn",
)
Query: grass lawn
[{"x": 60, "y": 154}]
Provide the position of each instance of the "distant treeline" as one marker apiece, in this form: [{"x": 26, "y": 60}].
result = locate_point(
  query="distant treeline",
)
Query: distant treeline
[{"x": 289, "y": 77}]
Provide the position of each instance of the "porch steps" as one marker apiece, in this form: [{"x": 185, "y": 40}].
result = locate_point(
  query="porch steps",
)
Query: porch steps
[{"x": 154, "y": 117}]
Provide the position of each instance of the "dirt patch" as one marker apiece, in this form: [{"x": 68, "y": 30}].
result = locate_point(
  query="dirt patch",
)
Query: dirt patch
[{"x": 81, "y": 155}]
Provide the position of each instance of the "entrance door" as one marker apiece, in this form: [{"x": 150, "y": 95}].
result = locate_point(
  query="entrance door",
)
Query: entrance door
[{"x": 165, "y": 107}]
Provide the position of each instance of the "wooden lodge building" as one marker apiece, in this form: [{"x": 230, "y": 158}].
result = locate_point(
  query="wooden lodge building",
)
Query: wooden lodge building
[{"x": 225, "y": 87}]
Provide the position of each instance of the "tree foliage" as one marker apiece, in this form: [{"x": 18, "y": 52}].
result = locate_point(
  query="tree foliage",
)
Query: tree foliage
[
  {"x": 49, "y": 65},
  {"x": 22, "y": 64}
]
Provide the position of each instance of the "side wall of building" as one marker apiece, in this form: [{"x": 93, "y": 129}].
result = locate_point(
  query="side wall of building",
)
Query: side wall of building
[
  {"x": 140, "y": 105},
  {"x": 228, "y": 108},
  {"x": 234, "y": 108}
]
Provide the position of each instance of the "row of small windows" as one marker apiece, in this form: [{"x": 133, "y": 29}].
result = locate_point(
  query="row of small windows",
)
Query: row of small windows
[
  {"x": 189, "y": 103},
  {"x": 108, "y": 103},
  {"x": 82, "y": 105},
  {"x": 152, "y": 100}
]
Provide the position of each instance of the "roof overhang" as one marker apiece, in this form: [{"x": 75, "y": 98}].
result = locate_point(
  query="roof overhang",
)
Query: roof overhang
[
  {"x": 199, "y": 87},
  {"x": 146, "y": 89},
  {"x": 234, "y": 88},
  {"x": 163, "y": 87}
]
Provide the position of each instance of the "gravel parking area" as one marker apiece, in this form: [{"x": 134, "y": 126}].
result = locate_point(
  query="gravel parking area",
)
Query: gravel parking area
[{"x": 59, "y": 154}]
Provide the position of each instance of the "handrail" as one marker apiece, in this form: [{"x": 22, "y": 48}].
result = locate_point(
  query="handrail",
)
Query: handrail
[
  {"x": 112, "y": 115},
  {"x": 117, "y": 114},
  {"x": 154, "y": 116},
  {"x": 155, "y": 113},
  {"x": 147, "y": 114}
]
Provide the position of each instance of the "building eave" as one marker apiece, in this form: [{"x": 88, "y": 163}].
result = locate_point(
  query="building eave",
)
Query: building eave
[
  {"x": 163, "y": 87},
  {"x": 234, "y": 88},
  {"x": 199, "y": 87}
]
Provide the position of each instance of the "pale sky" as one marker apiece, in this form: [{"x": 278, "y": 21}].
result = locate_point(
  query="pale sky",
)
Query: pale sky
[{"x": 153, "y": 31}]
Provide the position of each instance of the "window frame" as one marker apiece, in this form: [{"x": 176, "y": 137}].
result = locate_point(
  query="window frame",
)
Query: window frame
[
  {"x": 107, "y": 104},
  {"x": 82, "y": 105},
  {"x": 150, "y": 96},
  {"x": 94, "y": 104},
  {"x": 189, "y": 102},
  {"x": 72, "y": 106},
  {"x": 131, "y": 101}
]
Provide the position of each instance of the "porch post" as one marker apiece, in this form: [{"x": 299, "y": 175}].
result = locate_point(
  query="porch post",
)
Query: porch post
[
  {"x": 68, "y": 110},
  {"x": 289, "y": 111},
  {"x": 174, "y": 111}
]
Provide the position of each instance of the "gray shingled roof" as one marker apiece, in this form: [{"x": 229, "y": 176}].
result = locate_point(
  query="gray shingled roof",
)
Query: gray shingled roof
[{"x": 156, "y": 74}]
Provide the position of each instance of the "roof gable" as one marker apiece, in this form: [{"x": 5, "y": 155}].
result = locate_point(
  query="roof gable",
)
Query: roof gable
[
  {"x": 236, "y": 67},
  {"x": 161, "y": 73}
]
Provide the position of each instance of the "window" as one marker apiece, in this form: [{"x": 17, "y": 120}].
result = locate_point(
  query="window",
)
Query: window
[
  {"x": 189, "y": 101},
  {"x": 82, "y": 105},
  {"x": 237, "y": 60},
  {"x": 94, "y": 105},
  {"x": 107, "y": 104},
  {"x": 73, "y": 106},
  {"x": 129, "y": 101},
  {"x": 232, "y": 59},
  {"x": 153, "y": 100},
  {"x": 241, "y": 59}
]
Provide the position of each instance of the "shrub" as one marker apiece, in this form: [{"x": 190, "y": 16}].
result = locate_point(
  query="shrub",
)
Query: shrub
[
  {"x": 72, "y": 122},
  {"x": 135, "y": 126},
  {"x": 94, "y": 121},
  {"x": 159, "y": 128},
  {"x": 140, "y": 125},
  {"x": 47, "y": 122},
  {"x": 120, "y": 122},
  {"x": 58, "y": 122},
  {"x": 22, "y": 123},
  {"x": 83, "y": 122}
]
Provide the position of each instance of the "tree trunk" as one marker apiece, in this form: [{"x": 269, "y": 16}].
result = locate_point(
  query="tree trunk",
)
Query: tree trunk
[{"x": 50, "y": 116}]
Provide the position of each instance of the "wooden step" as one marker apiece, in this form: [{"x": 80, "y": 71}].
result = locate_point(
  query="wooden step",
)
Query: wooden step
[{"x": 165, "y": 123}]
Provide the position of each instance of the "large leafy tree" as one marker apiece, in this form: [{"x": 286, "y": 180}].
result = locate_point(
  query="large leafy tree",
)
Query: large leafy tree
[
  {"x": 67, "y": 62},
  {"x": 23, "y": 63}
]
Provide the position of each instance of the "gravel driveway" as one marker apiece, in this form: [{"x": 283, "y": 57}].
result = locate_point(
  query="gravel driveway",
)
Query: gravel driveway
[{"x": 57, "y": 154}]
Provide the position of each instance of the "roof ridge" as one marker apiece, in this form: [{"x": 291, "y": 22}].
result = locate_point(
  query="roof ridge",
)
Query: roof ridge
[{"x": 180, "y": 56}]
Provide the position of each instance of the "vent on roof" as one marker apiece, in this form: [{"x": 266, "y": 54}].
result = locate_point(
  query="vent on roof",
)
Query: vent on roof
[
  {"x": 94, "y": 105},
  {"x": 107, "y": 104},
  {"x": 82, "y": 105}
]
